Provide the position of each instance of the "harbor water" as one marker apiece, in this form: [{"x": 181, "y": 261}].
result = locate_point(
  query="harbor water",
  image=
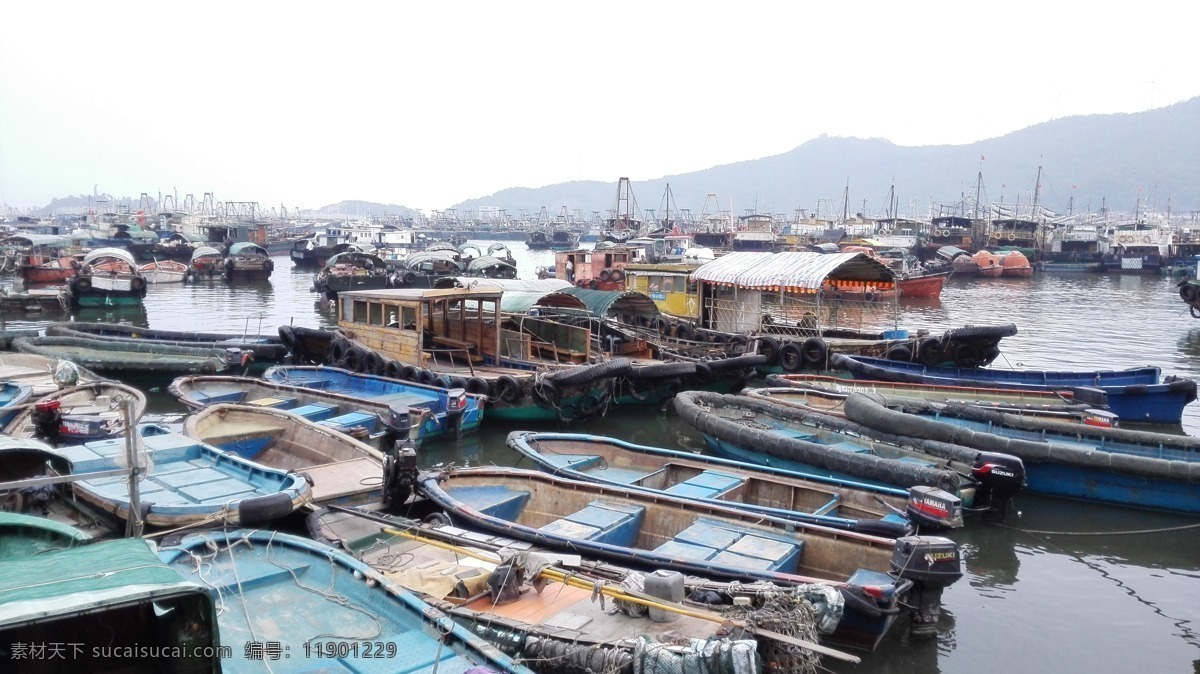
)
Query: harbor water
[{"x": 1061, "y": 586}]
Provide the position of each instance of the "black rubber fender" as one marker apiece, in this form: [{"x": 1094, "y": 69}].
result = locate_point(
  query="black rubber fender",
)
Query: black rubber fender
[
  {"x": 427, "y": 377},
  {"x": 393, "y": 369},
  {"x": 545, "y": 393},
  {"x": 585, "y": 374},
  {"x": 354, "y": 359},
  {"x": 769, "y": 346},
  {"x": 479, "y": 386},
  {"x": 929, "y": 351},
  {"x": 264, "y": 509},
  {"x": 815, "y": 351},
  {"x": 899, "y": 352},
  {"x": 749, "y": 360},
  {"x": 704, "y": 373},
  {"x": 508, "y": 389},
  {"x": 409, "y": 373},
  {"x": 373, "y": 363},
  {"x": 791, "y": 358}
]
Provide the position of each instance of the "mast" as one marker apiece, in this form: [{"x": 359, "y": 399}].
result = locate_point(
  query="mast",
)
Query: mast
[
  {"x": 978, "y": 188},
  {"x": 1037, "y": 188}
]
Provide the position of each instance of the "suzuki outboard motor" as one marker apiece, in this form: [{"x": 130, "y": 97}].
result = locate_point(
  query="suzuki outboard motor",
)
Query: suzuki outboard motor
[
  {"x": 932, "y": 563},
  {"x": 999, "y": 477}
]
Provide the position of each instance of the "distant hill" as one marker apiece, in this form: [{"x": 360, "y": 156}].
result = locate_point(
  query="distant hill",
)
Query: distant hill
[
  {"x": 1094, "y": 161},
  {"x": 362, "y": 209}
]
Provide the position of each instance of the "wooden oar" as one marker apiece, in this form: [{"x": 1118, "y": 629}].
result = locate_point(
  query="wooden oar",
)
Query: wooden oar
[{"x": 575, "y": 580}]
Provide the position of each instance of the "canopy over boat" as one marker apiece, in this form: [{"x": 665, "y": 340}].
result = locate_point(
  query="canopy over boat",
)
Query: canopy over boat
[
  {"x": 205, "y": 251},
  {"x": 39, "y": 240},
  {"x": 107, "y": 253},
  {"x": 794, "y": 271},
  {"x": 247, "y": 248},
  {"x": 604, "y": 303}
]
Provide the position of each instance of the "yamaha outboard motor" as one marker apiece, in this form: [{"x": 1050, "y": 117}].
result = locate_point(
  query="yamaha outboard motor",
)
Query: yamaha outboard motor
[
  {"x": 999, "y": 477},
  {"x": 932, "y": 508},
  {"x": 399, "y": 476},
  {"x": 932, "y": 563},
  {"x": 47, "y": 420}
]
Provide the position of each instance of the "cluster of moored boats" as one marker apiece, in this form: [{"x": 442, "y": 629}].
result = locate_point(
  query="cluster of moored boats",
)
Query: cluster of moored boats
[{"x": 822, "y": 517}]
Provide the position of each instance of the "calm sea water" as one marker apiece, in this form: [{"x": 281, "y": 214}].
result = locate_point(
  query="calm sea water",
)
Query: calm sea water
[{"x": 1061, "y": 587}]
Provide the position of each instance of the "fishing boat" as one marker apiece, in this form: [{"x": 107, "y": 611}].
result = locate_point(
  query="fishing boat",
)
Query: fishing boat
[
  {"x": 107, "y": 277},
  {"x": 554, "y": 239},
  {"x": 1105, "y": 465},
  {"x": 13, "y": 397},
  {"x": 828, "y": 394},
  {"x": 30, "y": 485},
  {"x": 352, "y": 270},
  {"x": 760, "y": 431},
  {"x": 106, "y": 606},
  {"x": 246, "y": 261},
  {"x": 262, "y": 348},
  {"x": 652, "y": 532},
  {"x": 164, "y": 271},
  {"x": 875, "y": 510},
  {"x": 432, "y": 411},
  {"x": 314, "y": 607},
  {"x": 341, "y": 468},
  {"x": 206, "y": 262},
  {"x": 42, "y": 374},
  {"x": 180, "y": 480},
  {"x": 532, "y": 367},
  {"x": 125, "y": 357},
  {"x": 70, "y": 416},
  {"x": 1137, "y": 395},
  {"x": 539, "y": 605},
  {"x": 40, "y": 258},
  {"x": 27, "y": 535}
]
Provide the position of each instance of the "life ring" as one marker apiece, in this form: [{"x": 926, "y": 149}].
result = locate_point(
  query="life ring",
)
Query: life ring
[
  {"x": 508, "y": 389},
  {"x": 605, "y": 274},
  {"x": 1124, "y": 238},
  {"x": 83, "y": 284},
  {"x": 1011, "y": 236},
  {"x": 815, "y": 351},
  {"x": 617, "y": 276},
  {"x": 791, "y": 358}
]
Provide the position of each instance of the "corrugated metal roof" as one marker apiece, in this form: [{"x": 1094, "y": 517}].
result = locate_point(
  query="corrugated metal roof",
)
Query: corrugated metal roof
[
  {"x": 793, "y": 270},
  {"x": 606, "y": 303}
]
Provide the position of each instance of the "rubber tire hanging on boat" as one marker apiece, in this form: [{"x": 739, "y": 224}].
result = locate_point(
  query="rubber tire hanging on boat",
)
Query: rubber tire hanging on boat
[
  {"x": 479, "y": 386},
  {"x": 791, "y": 358},
  {"x": 508, "y": 389},
  {"x": 373, "y": 363},
  {"x": 769, "y": 346},
  {"x": 899, "y": 352},
  {"x": 967, "y": 355},
  {"x": 815, "y": 351},
  {"x": 427, "y": 377},
  {"x": 353, "y": 360},
  {"x": 393, "y": 369},
  {"x": 545, "y": 393},
  {"x": 929, "y": 351}
]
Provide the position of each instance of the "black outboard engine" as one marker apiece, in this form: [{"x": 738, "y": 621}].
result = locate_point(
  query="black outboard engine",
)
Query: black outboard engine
[
  {"x": 999, "y": 477},
  {"x": 456, "y": 404},
  {"x": 932, "y": 508},
  {"x": 399, "y": 476},
  {"x": 400, "y": 424},
  {"x": 47, "y": 420},
  {"x": 932, "y": 563}
]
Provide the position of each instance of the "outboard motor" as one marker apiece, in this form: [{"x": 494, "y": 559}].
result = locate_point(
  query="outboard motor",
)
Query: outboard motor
[
  {"x": 399, "y": 476},
  {"x": 456, "y": 404},
  {"x": 47, "y": 420},
  {"x": 399, "y": 423},
  {"x": 932, "y": 508},
  {"x": 932, "y": 563},
  {"x": 999, "y": 477}
]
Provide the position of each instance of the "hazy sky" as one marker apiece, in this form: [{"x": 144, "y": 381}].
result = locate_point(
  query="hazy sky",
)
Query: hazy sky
[{"x": 426, "y": 104}]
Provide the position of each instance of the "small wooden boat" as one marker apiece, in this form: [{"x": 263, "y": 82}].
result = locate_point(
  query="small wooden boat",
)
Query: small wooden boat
[
  {"x": 828, "y": 394},
  {"x": 340, "y": 468},
  {"x": 45, "y": 374},
  {"x": 206, "y": 262},
  {"x": 443, "y": 412},
  {"x": 631, "y": 527},
  {"x": 352, "y": 270},
  {"x": 264, "y": 348},
  {"x": 474, "y": 577},
  {"x": 108, "y": 277},
  {"x": 54, "y": 299},
  {"x": 247, "y": 261},
  {"x": 307, "y": 346},
  {"x": 30, "y": 485},
  {"x": 322, "y": 609},
  {"x": 26, "y": 535},
  {"x": 104, "y": 602},
  {"x": 922, "y": 285},
  {"x": 91, "y": 411},
  {"x": 182, "y": 480},
  {"x": 875, "y": 510},
  {"x": 164, "y": 271},
  {"x": 1108, "y": 465},
  {"x": 13, "y": 397},
  {"x": 125, "y": 357},
  {"x": 760, "y": 431},
  {"x": 1138, "y": 395}
]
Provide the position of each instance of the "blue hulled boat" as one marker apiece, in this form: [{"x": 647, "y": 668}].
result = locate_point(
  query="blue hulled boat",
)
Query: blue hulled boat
[
  {"x": 1108, "y": 465},
  {"x": 309, "y": 607},
  {"x": 12, "y": 397},
  {"x": 24, "y": 535},
  {"x": 183, "y": 481},
  {"x": 1139, "y": 395},
  {"x": 444, "y": 411},
  {"x": 647, "y": 531},
  {"x": 789, "y": 495}
]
